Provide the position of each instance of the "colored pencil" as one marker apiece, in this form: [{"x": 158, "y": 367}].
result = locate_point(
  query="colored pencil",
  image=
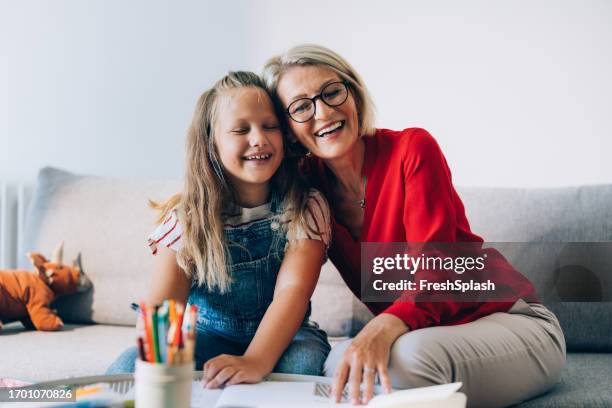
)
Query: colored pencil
[
  {"x": 178, "y": 338},
  {"x": 155, "y": 331},
  {"x": 162, "y": 318},
  {"x": 141, "y": 351},
  {"x": 148, "y": 333},
  {"x": 172, "y": 311},
  {"x": 190, "y": 337}
]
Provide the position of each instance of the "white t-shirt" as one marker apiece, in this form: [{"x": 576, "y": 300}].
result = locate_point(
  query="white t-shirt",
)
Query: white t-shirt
[{"x": 318, "y": 220}]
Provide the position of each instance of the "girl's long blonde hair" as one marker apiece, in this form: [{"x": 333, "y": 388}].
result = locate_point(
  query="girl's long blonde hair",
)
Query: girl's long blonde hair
[{"x": 203, "y": 256}]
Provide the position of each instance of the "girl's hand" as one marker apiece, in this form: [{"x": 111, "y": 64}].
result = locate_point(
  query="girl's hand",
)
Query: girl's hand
[
  {"x": 230, "y": 370},
  {"x": 367, "y": 355}
]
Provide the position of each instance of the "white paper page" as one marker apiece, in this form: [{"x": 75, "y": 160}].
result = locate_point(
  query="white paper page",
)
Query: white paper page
[
  {"x": 433, "y": 393},
  {"x": 203, "y": 398},
  {"x": 268, "y": 392},
  {"x": 438, "y": 396}
]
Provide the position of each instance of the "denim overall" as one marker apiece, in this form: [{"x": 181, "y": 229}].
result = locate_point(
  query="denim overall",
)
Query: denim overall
[
  {"x": 256, "y": 252},
  {"x": 226, "y": 323}
]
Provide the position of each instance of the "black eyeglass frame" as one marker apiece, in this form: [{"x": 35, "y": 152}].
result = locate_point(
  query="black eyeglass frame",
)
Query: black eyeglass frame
[{"x": 347, "y": 87}]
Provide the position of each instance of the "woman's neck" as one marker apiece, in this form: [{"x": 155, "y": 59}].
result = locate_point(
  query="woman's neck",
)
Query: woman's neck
[
  {"x": 250, "y": 196},
  {"x": 348, "y": 169}
]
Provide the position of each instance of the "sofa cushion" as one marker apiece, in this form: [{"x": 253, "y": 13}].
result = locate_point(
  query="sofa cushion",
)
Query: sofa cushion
[
  {"x": 107, "y": 220},
  {"x": 332, "y": 303},
  {"x": 585, "y": 382},
  {"x": 562, "y": 242},
  {"x": 335, "y": 308},
  {"x": 568, "y": 214},
  {"x": 74, "y": 351}
]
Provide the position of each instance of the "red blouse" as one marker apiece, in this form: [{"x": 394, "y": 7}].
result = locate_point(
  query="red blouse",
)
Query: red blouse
[{"x": 410, "y": 198}]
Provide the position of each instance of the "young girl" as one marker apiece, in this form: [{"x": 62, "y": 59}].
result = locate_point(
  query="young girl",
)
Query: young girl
[{"x": 244, "y": 242}]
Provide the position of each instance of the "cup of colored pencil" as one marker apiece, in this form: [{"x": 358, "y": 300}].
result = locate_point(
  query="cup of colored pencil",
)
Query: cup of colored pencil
[
  {"x": 169, "y": 333},
  {"x": 164, "y": 371}
]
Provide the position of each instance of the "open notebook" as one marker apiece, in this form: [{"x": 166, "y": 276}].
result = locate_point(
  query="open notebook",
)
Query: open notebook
[{"x": 276, "y": 394}]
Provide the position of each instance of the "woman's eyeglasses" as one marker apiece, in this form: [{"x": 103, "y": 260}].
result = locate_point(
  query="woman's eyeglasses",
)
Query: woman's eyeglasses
[{"x": 333, "y": 94}]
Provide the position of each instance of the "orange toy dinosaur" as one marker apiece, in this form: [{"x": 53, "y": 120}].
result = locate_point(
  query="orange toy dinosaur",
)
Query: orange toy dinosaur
[{"x": 26, "y": 296}]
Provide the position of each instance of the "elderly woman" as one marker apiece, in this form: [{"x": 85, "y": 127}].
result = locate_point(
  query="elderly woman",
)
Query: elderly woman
[{"x": 395, "y": 186}]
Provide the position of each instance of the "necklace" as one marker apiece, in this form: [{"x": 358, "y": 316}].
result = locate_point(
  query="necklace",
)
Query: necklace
[{"x": 361, "y": 203}]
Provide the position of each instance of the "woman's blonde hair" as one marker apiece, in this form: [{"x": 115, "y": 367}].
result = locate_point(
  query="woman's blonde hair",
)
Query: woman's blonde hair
[
  {"x": 311, "y": 54},
  {"x": 203, "y": 256}
]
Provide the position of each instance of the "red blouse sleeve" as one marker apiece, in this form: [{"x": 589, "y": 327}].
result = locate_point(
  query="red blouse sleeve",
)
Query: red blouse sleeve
[{"x": 430, "y": 215}]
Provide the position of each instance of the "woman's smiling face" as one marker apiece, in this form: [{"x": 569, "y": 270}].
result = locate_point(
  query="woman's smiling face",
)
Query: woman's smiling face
[{"x": 333, "y": 131}]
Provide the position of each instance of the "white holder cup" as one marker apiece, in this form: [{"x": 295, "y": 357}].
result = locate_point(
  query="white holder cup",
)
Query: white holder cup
[{"x": 162, "y": 385}]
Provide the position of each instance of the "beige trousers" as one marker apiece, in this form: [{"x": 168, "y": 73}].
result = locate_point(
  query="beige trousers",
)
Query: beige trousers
[{"x": 501, "y": 359}]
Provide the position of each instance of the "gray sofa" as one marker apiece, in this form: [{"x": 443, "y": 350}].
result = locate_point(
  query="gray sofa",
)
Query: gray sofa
[{"x": 107, "y": 220}]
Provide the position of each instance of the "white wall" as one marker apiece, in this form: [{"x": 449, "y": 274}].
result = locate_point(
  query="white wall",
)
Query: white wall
[
  {"x": 109, "y": 86},
  {"x": 518, "y": 93}
]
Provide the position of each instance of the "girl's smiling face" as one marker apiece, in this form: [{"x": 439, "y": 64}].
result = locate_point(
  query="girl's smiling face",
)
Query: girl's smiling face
[
  {"x": 308, "y": 81},
  {"x": 247, "y": 137}
]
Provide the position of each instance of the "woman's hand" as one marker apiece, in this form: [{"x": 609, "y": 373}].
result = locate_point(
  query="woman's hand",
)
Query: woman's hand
[
  {"x": 368, "y": 355},
  {"x": 230, "y": 370}
]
